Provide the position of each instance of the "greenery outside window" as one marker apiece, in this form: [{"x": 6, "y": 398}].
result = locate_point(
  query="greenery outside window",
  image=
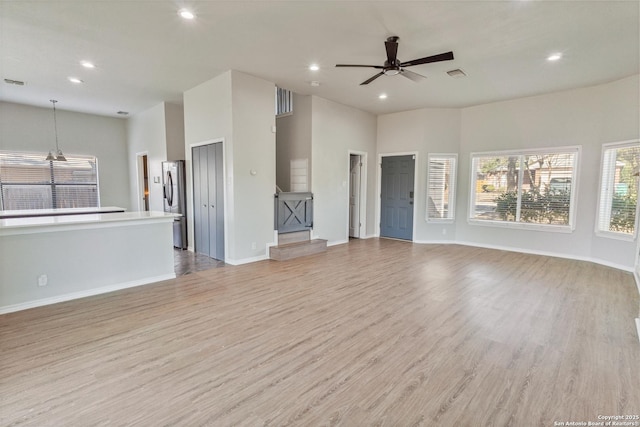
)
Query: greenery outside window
[
  {"x": 441, "y": 181},
  {"x": 525, "y": 189},
  {"x": 28, "y": 181},
  {"x": 618, "y": 199}
]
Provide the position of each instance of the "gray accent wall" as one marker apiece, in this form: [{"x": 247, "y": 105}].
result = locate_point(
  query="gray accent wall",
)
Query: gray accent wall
[{"x": 31, "y": 129}]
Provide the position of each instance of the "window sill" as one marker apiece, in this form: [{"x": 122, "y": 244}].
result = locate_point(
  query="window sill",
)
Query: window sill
[
  {"x": 616, "y": 235},
  {"x": 523, "y": 226},
  {"x": 440, "y": 220}
]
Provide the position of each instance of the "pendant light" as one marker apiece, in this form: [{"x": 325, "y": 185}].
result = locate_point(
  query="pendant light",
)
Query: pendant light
[{"x": 58, "y": 154}]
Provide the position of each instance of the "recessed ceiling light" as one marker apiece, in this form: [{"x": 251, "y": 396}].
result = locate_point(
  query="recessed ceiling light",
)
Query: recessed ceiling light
[
  {"x": 123, "y": 113},
  {"x": 186, "y": 14},
  {"x": 382, "y": 96},
  {"x": 314, "y": 67},
  {"x": 87, "y": 64},
  {"x": 554, "y": 56},
  {"x": 75, "y": 80}
]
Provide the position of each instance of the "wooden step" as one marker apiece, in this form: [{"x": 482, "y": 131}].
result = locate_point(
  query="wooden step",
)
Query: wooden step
[
  {"x": 297, "y": 249},
  {"x": 294, "y": 237}
]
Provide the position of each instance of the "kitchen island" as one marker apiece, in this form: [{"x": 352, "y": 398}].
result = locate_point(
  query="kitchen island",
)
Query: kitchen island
[{"x": 49, "y": 259}]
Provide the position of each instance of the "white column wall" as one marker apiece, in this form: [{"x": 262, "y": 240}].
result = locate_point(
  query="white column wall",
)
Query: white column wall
[{"x": 336, "y": 129}]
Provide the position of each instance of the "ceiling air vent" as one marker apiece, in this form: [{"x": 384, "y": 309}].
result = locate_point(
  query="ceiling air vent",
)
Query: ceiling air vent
[
  {"x": 457, "y": 73},
  {"x": 14, "y": 82}
]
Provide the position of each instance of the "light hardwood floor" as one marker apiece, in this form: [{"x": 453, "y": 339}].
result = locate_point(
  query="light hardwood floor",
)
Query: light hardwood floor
[{"x": 375, "y": 332}]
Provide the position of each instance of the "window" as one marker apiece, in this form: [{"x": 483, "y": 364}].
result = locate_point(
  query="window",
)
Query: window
[
  {"x": 619, "y": 189},
  {"x": 529, "y": 189},
  {"x": 284, "y": 102},
  {"x": 441, "y": 179},
  {"x": 28, "y": 181}
]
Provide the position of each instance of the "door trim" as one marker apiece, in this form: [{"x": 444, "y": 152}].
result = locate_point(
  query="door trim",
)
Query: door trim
[
  {"x": 190, "y": 198},
  {"x": 417, "y": 194},
  {"x": 362, "y": 232},
  {"x": 140, "y": 180}
]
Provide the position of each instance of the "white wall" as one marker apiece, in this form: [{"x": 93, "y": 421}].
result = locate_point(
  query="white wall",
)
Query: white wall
[
  {"x": 207, "y": 117},
  {"x": 31, "y": 129},
  {"x": 157, "y": 132},
  {"x": 250, "y": 220},
  {"x": 293, "y": 140},
  {"x": 174, "y": 125},
  {"x": 424, "y": 131},
  {"x": 587, "y": 117},
  {"x": 146, "y": 133},
  {"x": 337, "y": 129},
  {"x": 237, "y": 109}
]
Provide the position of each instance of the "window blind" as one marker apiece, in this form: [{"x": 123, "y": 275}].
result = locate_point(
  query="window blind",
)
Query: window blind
[
  {"x": 441, "y": 175},
  {"x": 28, "y": 181},
  {"x": 619, "y": 188},
  {"x": 284, "y": 101}
]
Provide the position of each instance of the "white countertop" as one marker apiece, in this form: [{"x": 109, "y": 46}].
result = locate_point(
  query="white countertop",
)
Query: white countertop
[
  {"x": 61, "y": 211},
  {"x": 82, "y": 219}
]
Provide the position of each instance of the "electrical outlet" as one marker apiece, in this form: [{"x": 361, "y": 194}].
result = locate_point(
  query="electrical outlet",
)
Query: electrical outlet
[
  {"x": 43, "y": 280},
  {"x": 253, "y": 245},
  {"x": 444, "y": 231}
]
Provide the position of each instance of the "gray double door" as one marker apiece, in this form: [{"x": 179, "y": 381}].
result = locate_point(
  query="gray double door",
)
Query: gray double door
[
  {"x": 208, "y": 200},
  {"x": 396, "y": 198}
]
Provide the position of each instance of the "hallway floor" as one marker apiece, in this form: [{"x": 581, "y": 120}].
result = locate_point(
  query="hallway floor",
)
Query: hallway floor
[{"x": 187, "y": 262}]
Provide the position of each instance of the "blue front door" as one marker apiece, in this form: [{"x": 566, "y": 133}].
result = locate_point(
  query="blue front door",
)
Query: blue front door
[{"x": 396, "y": 214}]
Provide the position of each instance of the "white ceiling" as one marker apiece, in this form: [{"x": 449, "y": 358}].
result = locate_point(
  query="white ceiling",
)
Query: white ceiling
[{"x": 145, "y": 53}]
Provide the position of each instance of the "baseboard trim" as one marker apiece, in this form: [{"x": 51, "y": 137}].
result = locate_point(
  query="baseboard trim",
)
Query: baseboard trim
[
  {"x": 337, "y": 242},
  {"x": 246, "y": 260},
  {"x": 83, "y": 294},
  {"x": 532, "y": 252}
]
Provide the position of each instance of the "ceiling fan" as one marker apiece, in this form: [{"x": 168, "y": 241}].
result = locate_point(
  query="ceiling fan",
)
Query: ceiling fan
[{"x": 393, "y": 66}]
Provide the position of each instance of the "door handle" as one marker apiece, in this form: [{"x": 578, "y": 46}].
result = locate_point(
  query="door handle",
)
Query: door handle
[
  {"x": 212, "y": 206},
  {"x": 204, "y": 206}
]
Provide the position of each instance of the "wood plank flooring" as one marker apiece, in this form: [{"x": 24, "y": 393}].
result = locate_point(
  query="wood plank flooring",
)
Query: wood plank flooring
[{"x": 374, "y": 332}]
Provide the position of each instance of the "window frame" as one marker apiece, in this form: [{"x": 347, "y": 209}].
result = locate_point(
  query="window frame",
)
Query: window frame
[
  {"x": 453, "y": 181},
  {"x": 617, "y": 235},
  {"x": 52, "y": 183},
  {"x": 555, "y": 228}
]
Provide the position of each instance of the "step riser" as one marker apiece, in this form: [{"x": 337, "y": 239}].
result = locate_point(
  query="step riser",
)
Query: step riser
[
  {"x": 291, "y": 251},
  {"x": 297, "y": 236}
]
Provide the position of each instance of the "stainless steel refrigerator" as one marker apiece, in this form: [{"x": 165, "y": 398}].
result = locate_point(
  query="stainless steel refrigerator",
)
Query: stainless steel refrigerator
[{"x": 174, "y": 187}]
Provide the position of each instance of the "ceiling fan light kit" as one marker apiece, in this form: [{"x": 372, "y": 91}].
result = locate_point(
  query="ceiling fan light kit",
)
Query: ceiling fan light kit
[{"x": 393, "y": 66}]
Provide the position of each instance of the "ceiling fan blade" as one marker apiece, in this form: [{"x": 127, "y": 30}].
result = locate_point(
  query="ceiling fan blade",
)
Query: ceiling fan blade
[
  {"x": 392, "y": 50},
  {"x": 447, "y": 56},
  {"x": 412, "y": 76},
  {"x": 366, "y": 82},
  {"x": 354, "y": 65}
]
